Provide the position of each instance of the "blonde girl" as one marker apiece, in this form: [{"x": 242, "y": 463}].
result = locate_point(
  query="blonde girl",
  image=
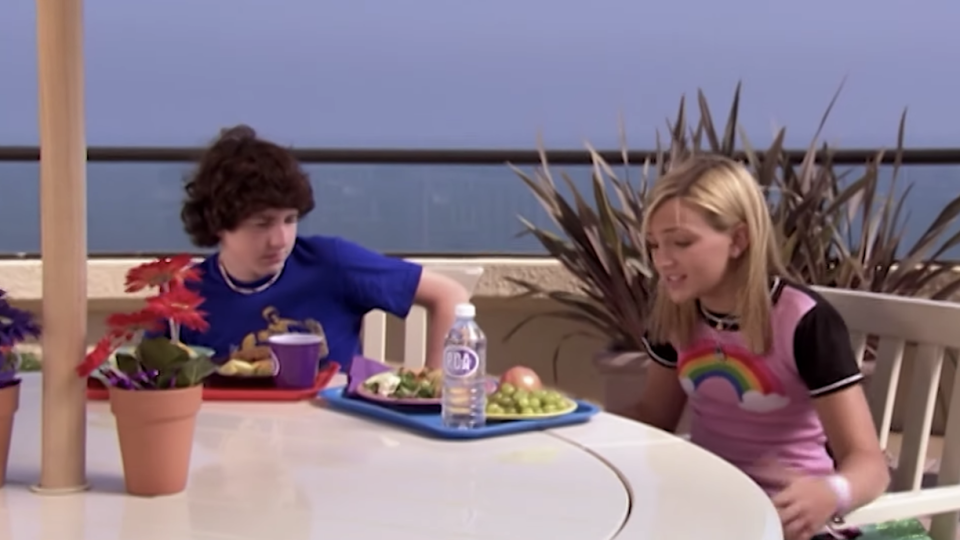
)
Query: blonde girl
[{"x": 765, "y": 363}]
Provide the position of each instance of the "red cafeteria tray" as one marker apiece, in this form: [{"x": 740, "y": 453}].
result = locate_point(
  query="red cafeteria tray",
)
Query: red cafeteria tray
[{"x": 96, "y": 391}]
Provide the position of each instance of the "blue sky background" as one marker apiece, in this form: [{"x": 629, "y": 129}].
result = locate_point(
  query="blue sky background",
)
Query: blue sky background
[{"x": 446, "y": 73}]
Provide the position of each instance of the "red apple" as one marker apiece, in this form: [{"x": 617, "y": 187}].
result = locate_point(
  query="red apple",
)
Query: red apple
[{"x": 522, "y": 378}]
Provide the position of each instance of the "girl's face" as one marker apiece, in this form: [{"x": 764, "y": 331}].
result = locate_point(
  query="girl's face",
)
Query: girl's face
[{"x": 692, "y": 258}]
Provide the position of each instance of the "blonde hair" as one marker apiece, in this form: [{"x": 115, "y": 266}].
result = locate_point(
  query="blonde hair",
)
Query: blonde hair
[{"x": 727, "y": 195}]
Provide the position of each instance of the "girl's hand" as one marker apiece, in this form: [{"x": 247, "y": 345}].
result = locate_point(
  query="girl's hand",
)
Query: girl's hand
[
  {"x": 805, "y": 507},
  {"x": 806, "y": 504}
]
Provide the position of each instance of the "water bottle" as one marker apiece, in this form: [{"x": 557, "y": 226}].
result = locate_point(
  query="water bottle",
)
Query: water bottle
[{"x": 464, "y": 400}]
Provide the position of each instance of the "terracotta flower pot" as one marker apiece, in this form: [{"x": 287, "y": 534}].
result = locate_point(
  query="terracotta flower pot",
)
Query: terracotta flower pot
[
  {"x": 622, "y": 375},
  {"x": 155, "y": 429},
  {"x": 9, "y": 403}
]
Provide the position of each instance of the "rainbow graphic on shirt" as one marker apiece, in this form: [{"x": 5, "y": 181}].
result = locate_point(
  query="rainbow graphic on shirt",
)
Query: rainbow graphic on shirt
[{"x": 757, "y": 387}]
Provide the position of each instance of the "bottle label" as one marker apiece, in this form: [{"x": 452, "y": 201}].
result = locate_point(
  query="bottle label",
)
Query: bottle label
[{"x": 460, "y": 361}]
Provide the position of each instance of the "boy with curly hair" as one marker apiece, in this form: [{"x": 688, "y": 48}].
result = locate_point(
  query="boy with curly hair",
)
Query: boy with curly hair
[{"x": 246, "y": 198}]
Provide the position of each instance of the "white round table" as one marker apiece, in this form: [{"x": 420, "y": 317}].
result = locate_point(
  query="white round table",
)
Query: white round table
[{"x": 300, "y": 471}]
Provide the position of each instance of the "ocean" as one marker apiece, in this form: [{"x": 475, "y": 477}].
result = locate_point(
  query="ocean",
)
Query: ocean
[{"x": 408, "y": 209}]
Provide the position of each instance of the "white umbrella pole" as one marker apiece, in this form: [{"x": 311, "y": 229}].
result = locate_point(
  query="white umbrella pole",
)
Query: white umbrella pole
[{"x": 63, "y": 230}]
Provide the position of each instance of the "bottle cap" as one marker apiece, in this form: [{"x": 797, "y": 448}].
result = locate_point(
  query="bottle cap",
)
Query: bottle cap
[{"x": 465, "y": 311}]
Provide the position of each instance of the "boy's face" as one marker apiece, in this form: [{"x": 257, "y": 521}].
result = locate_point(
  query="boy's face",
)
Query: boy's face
[{"x": 261, "y": 243}]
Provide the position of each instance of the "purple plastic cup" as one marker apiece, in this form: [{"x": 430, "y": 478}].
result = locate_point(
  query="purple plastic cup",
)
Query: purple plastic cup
[{"x": 297, "y": 359}]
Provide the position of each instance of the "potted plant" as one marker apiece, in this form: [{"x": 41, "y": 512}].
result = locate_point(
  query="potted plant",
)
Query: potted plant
[
  {"x": 600, "y": 245},
  {"x": 856, "y": 240},
  {"x": 156, "y": 385},
  {"x": 16, "y": 326}
]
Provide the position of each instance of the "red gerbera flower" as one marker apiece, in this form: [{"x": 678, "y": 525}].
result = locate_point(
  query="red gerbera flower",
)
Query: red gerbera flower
[
  {"x": 167, "y": 271},
  {"x": 130, "y": 323},
  {"x": 194, "y": 320},
  {"x": 174, "y": 304},
  {"x": 180, "y": 306},
  {"x": 96, "y": 357}
]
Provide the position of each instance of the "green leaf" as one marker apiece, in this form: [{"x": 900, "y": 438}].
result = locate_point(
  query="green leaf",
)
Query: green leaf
[
  {"x": 194, "y": 371},
  {"x": 127, "y": 363},
  {"x": 161, "y": 354},
  {"x": 29, "y": 362}
]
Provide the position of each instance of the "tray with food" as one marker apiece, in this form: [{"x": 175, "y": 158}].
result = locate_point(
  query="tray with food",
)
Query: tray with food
[
  {"x": 517, "y": 402},
  {"x": 407, "y": 387},
  {"x": 250, "y": 368},
  {"x": 511, "y": 403},
  {"x": 403, "y": 386},
  {"x": 246, "y": 377}
]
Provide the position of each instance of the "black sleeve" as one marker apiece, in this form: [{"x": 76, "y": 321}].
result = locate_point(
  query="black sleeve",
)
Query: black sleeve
[
  {"x": 822, "y": 351},
  {"x": 661, "y": 353}
]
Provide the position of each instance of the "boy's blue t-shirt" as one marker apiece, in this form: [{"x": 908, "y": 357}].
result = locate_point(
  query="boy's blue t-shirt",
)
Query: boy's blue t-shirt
[{"x": 327, "y": 286}]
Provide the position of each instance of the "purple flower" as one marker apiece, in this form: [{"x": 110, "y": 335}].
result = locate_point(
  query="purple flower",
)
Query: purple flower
[
  {"x": 16, "y": 325},
  {"x": 8, "y": 368}
]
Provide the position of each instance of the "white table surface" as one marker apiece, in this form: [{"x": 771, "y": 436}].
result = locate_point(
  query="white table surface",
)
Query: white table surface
[{"x": 301, "y": 471}]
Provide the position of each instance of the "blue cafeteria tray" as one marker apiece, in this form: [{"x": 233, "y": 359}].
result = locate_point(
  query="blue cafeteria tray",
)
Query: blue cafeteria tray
[{"x": 427, "y": 421}]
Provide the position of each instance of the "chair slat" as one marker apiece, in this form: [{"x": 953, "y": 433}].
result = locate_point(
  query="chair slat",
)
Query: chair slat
[
  {"x": 415, "y": 338},
  {"x": 375, "y": 336},
  {"x": 882, "y": 393},
  {"x": 858, "y": 342},
  {"x": 920, "y": 407},
  {"x": 944, "y": 526},
  {"x": 415, "y": 325}
]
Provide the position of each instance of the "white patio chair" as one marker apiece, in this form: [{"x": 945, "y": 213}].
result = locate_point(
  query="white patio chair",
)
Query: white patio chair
[
  {"x": 927, "y": 328},
  {"x": 415, "y": 325}
]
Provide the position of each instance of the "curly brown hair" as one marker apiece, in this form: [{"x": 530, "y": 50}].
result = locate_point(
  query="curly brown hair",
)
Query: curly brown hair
[{"x": 237, "y": 177}]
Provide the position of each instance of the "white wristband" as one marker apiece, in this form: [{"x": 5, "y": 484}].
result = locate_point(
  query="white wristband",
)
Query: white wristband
[{"x": 841, "y": 488}]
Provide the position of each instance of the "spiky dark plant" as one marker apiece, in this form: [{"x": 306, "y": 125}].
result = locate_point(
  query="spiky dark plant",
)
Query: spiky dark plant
[{"x": 839, "y": 229}]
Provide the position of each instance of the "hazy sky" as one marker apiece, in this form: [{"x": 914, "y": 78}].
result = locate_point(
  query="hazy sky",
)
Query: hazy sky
[{"x": 493, "y": 73}]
